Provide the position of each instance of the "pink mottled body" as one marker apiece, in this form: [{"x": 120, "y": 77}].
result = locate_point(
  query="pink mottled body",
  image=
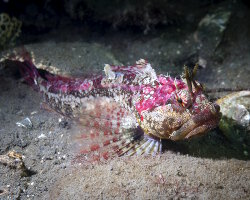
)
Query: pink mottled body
[{"x": 129, "y": 107}]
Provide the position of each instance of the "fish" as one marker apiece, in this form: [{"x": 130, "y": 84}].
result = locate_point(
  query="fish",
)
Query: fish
[{"x": 125, "y": 110}]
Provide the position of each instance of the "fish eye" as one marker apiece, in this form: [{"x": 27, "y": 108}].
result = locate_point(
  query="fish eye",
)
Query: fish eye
[
  {"x": 183, "y": 97},
  {"x": 179, "y": 100}
]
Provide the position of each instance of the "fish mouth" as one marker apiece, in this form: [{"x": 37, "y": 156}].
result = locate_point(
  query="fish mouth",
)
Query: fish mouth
[{"x": 199, "y": 124}]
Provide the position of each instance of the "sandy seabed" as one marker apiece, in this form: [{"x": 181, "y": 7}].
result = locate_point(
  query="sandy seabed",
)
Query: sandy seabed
[{"x": 195, "y": 174}]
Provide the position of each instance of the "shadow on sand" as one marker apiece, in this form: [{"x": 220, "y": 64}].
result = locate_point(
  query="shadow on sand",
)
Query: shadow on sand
[{"x": 212, "y": 145}]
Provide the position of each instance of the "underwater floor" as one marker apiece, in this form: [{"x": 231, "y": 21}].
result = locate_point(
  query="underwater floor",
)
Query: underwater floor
[{"x": 214, "y": 166}]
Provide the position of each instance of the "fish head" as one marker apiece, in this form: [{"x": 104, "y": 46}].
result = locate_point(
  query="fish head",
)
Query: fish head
[
  {"x": 201, "y": 116},
  {"x": 187, "y": 112}
]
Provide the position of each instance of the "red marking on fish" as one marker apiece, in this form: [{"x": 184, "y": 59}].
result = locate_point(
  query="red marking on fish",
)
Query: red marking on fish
[{"x": 95, "y": 147}]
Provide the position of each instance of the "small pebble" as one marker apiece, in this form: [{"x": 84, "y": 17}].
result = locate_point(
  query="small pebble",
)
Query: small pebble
[
  {"x": 26, "y": 123},
  {"x": 42, "y": 136}
]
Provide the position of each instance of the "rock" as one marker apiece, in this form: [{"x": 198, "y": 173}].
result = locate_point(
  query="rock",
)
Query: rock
[
  {"x": 236, "y": 106},
  {"x": 235, "y": 122},
  {"x": 211, "y": 29}
]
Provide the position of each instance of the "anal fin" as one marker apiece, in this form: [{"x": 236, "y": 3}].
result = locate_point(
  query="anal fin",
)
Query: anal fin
[{"x": 144, "y": 145}]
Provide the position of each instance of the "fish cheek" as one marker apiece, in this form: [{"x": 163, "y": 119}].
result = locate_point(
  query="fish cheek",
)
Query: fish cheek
[{"x": 174, "y": 121}]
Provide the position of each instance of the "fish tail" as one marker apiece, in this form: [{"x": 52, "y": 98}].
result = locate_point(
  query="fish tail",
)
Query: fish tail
[
  {"x": 29, "y": 73},
  {"x": 22, "y": 60}
]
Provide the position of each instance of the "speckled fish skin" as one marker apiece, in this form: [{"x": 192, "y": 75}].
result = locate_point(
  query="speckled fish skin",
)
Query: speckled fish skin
[{"x": 163, "y": 107}]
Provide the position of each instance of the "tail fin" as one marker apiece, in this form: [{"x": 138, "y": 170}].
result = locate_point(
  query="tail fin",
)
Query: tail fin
[
  {"x": 22, "y": 59},
  {"x": 29, "y": 73}
]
